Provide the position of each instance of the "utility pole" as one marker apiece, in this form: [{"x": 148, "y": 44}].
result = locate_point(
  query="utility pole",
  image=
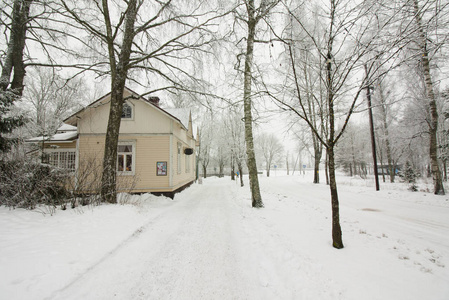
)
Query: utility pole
[{"x": 369, "y": 88}]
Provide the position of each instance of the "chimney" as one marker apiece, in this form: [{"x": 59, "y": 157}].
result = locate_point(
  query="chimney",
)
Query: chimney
[{"x": 154, "y": 100}]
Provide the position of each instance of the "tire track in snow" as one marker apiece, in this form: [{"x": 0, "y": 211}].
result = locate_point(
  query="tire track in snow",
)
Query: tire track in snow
[
  {"x": 191, "y": 251},
  {"x": 135, "y": 235}
]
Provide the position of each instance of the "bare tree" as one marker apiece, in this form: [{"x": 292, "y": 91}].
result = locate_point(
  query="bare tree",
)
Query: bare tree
[
  {"x": 236, "y": 135},
  {"x": 385, "y": 98},
  {"x": 312, "y": 87},
  {"x": 271, "y": 149},
  {"x": 252, "y": 16},
  {"x": 51, "y": 98},
  {"x": 346, "y": 34},
  {"x": 157, "y": 38},
  {"x": 206, "y": 138},
  {"x": 352, "y": 149},
  {"x": 425, "y": 58}
]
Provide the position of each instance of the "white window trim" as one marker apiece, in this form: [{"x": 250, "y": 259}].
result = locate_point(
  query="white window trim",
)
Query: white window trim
[
  {"x": 179, "y": 153},
  {"x": 59, "y": 150},
  {"x": 187, "y": 162},
  {"x": 133, "y": 165}
]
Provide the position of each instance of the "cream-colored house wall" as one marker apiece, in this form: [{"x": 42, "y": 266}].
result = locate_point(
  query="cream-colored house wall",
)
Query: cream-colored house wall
[
  {"x": 146, "y": 119},
  {"x": 150, "y": 149},
  {"x": 155, "y": 135},
  {"x": 182, "y": 177}
]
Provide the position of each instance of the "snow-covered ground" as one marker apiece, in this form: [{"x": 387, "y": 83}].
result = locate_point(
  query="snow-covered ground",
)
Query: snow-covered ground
[{"x": 208, "y": 243}]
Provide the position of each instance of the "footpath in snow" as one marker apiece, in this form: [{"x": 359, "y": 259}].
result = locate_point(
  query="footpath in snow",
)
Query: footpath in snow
[{"x": 208, "y": 243}]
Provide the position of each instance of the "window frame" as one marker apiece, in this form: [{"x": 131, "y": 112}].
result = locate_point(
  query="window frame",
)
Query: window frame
[
  {"x": 179, "y": 157},
  {"x": 59, "y": 162},
  {"x": 131, "y": 106},
  {"x": 187, "y": 163},
  {"x": 133, "y": 158}
]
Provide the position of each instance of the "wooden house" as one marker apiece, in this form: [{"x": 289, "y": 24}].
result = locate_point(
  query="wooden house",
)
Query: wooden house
[{"x": 156, "y": 151}]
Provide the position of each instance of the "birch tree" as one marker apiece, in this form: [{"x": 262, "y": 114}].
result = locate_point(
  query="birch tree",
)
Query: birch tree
[
  {"x": 50, "y": 99},
  {"x": 236, "y": 134},
  {"x": 207, "y": 140},
  {"x": 385, "y": 110},
  {"x": 424, "y": 54},
  {"x": 251, "y": 16},
  {"x": 271, "y": 149}
]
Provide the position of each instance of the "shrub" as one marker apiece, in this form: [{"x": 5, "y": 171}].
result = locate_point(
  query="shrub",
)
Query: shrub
[
  {"x": 27, "y": 184},
  {"x": 409, "y": 175}
]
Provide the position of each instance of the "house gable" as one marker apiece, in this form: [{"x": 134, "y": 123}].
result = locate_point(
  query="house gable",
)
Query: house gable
[{"x": 147, "y": 117}]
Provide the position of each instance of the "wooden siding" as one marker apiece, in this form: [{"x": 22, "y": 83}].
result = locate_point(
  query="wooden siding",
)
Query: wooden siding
[
  {"x": 182, "y": 178},
  {"x": 89, "y": 163},
  {"x": 150, "y": 149},
  {"x": 155, "y": 135},
  {"x": 146, "y": 119}
]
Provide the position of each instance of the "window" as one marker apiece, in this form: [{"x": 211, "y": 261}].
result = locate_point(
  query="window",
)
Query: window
[
  {"x": 127, "y": 112},
  {"x": 125, "y": 158},
  {"x": 187, "y": 163},
  {"x": 62, "y": 159},
  {"x": 179, "y": 158}
]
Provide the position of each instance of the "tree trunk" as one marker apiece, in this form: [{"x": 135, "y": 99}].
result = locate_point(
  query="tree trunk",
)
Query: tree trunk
[
  {"x": 318, "y": 152},
  {"x": 16, "y": 44},
  {"x": 438, "y": 188},
  {"x": 337, "y": 241},
  {"x": 326, "y": 168},
  {"x": 445, "y": 169},
  {"x": 252, "y": 166},
  {"x": 372, "y": 133},
  {"x": 119, "y": 72},
  {"x": 383, "y": 107},
  {"x": 204, "y": 171},
  {"x": 232, "y": 169},
  {"x": 109, "y": 178},
  {"x": 240, "y": 173},
  {"x": 294, "y": 166},
  {"x": 382, "y": 168},
  {"x": 354, "y": 163},
  {"x": 220, "y": 169}
]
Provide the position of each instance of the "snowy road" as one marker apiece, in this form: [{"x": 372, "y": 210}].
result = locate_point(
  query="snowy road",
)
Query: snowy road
[
  {"x": 210, "y": 244},
  {"x": 192, "y": 251}
]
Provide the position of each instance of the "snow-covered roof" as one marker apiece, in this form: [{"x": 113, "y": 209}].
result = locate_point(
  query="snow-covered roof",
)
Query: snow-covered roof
[
  {"x": 58, "y": 137},
  {"x": 66, "y": 127},
  {"x": 182, "y": 114},
  {"x": 64, "y": 133}
]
